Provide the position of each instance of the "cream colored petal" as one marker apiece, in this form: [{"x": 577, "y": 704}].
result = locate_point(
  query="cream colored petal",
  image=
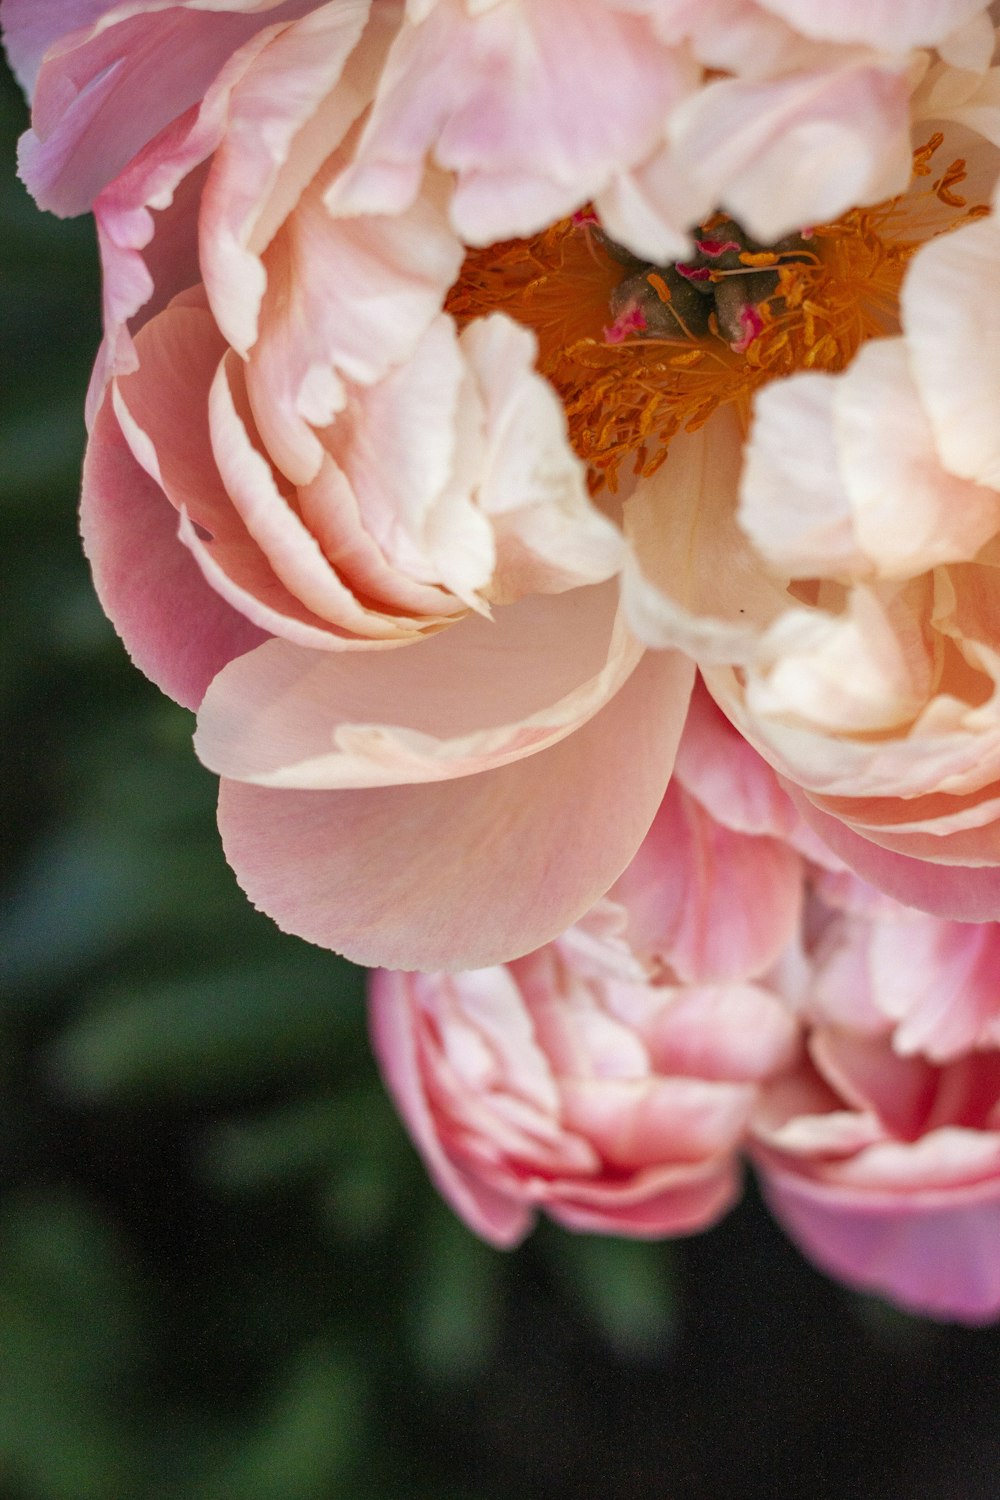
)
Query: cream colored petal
[
  {"x": 692, "y": 579},
  {"x": 533, "y": 488},
  {"x": 951, "y": 318},
  {"x": 480, "y": 694},
  {"x": 793, "y": 504},
  {"x": 909, "y": 513},
  {"x": 865, "y": 669}
]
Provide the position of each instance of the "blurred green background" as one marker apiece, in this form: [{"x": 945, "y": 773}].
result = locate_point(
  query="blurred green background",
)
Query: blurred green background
[{"x": 223, "y": 1273}]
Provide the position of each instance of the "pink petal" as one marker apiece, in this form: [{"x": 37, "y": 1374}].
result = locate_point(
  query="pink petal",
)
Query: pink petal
[
  {"x": 411, "y": 448},
  {"x": 893, "y": 25},
  {"x": 487, "y": 1004},
  {"x": 479, "y": 694},
  {"x": 707, "y": 903},
  {"x": 533, "y": 488},
  {"x": 941, "y": 1261},
  {"x": 951, "y": 316},
  {"x": 723, "y": 772},
  {"x": 498, "y": 1218},
  {"x": 515, "y": 101},
  {"x": 793, "y": 503},
  {"x": 31, "y": 27},
  {"x": 961, "y": 892},
  {"x": 273, "y": 523},
  {"x": 637, "y": 1123},
  {"x": 331, "y": 510},
  {"x": 104, "y": 92},
  {"x": 292, "y": 78},
  {"x": 910, "y": 513},
  {"x": 164, "y": 411},
  {"x": 736, "y": 1032},
  {"x": 345, "y": 298},
  {"x": 872, "y": 1079},
  {"x": 466, "y": 873},
  {"x": 938, "y": 981},
  {"x": 650, "y": 1204},
  {"x": 799, "y": 149},
  {"x": 176, "y": 628},
  {"x": 693, "y": 580},
  {"x": 147, "y": 261}
]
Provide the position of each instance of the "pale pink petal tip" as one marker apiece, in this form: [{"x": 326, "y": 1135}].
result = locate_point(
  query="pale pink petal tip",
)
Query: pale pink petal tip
[{"x": 943, "y": 1262}]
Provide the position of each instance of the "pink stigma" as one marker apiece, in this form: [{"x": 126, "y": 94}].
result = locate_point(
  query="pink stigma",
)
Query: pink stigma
[
  {"x": 715, "y": 247},
  {"x": 752, "y": 324},
  {"x": 631, "y": 319},
  {"x": 693, "y": 273}
]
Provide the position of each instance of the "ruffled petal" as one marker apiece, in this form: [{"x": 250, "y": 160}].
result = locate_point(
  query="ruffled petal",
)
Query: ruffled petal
[
  {"x": 500, "y": 1219},
  {"x": 797, "y": 150},
  {"x": 514, "y": 100},
  {"x": 941, "y": 1261},
  {"x": 717, "y": 767},
  {"x": 891, "y": 25},
  {"x": 177, "y": 629},
  {"x": 465, "y": 873},
  {"x": 705, "y": 901},
  {"x": 793, "y": 504},
  {"x": 951, "y": 316},
  {"x": 345, "y": 300},
  {"x": 692, "y": 579},
  {"x": 105, "y": 91},
  {"x": 478, "y": 695},
  {"x": 294, "y": 82},
  {"x": 960, "y": 892},
  {"x": 661, "y": 1201}
]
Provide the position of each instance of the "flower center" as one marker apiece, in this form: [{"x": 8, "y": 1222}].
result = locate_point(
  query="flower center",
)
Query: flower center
[{"x": 639, "y": 352}]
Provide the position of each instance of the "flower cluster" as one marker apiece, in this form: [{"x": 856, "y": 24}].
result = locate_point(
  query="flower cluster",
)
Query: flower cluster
[
  {"x": 848, "y": 1045},
  {"x": 475, "y": 372}
]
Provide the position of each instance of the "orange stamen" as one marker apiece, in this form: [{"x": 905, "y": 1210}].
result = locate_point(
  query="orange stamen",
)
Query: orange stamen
[{"x": 626, "y": 400}]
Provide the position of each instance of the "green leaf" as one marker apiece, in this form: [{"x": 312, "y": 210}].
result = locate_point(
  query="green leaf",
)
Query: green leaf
[
  {"x": 302, "y": 1447},
  {"x": 362, "y": 1198},
  {"x": 456, "y": 1298},
  {"x": 83, "y": 893},
  {"x": 300, "y": 1141},
  {"x": 195, "y": 1035},
  {"x": 69, "y": 1331},
  {"x": 626, "y": 1287}
]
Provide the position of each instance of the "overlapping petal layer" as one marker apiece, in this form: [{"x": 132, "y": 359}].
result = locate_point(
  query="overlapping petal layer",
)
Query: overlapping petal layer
[
  {"x": 880, "y": 1152},
  {"x": 609, "y": 1077},
  {"x": 365, "y": 535}
]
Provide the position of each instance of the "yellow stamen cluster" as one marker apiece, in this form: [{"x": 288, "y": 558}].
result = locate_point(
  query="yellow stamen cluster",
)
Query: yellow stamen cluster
[{"x": 625, "y": 400}]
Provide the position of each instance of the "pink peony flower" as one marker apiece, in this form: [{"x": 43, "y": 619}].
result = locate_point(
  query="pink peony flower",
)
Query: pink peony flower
[
  {"x": 609, "y": 1077},
  {"x": 613, "y": 1104},
  {"x": 436, "y": 335},
  {"x": 880, "y": 1151},
  {"x": 848, "y": 1044}
]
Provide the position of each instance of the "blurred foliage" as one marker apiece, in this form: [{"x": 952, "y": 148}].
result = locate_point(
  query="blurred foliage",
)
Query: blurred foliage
[{"x": 223, "y": 1275}]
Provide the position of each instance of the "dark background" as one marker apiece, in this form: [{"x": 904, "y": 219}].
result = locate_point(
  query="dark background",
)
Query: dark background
[{"x": 223, "y": 1275}]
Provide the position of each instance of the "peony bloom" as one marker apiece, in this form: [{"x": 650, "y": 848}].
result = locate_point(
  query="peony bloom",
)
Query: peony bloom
[
  {"x": 457, "y": 352},
  {"x": 614, "y": 1104},
  {"x": 609, "y": 1078},
  {"x": 848, "y": 1045},
  {"x": 880, "y": 1151}
]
